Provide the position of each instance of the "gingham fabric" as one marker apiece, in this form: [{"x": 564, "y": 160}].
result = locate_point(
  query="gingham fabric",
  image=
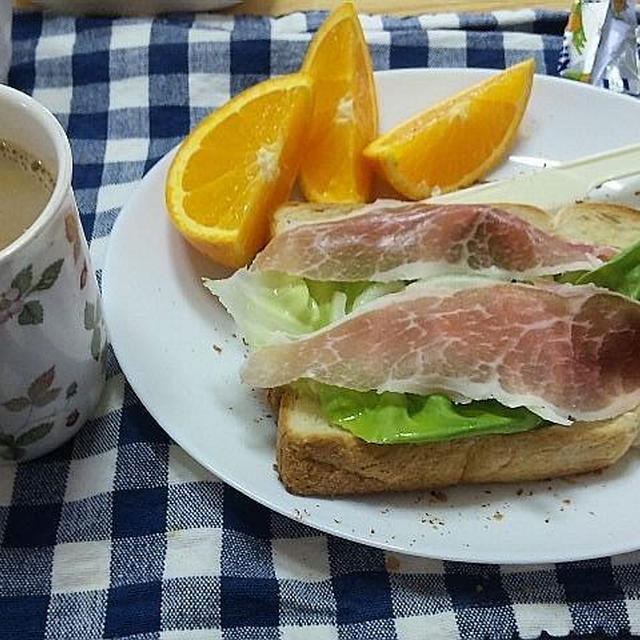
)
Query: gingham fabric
[{"x": 119, "y": 534}]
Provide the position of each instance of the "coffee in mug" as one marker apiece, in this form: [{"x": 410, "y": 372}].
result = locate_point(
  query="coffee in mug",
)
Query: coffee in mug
[{"x": 26, "y": 186}]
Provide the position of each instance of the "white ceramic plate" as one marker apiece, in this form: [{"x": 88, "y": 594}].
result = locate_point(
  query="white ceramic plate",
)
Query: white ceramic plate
[{"x": 178, "y": 349}]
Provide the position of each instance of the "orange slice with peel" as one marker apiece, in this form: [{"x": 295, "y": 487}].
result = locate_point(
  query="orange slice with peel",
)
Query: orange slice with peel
[
  {"x": 237, "y": 166},
  {"x": 345, "y": 115},
  {"x": 457, "y": 141}
]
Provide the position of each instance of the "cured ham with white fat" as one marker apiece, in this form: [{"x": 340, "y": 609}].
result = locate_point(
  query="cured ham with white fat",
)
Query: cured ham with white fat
[
  {"x": 389, "y": 241},
  {"x": 566, "y": 352}
]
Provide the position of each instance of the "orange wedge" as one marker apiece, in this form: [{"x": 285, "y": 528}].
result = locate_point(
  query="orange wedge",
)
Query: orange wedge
[
  {"x": 237, "y": 166},
  {"x": 345, "y": 115},
  {"x": 458, "y": 140}
]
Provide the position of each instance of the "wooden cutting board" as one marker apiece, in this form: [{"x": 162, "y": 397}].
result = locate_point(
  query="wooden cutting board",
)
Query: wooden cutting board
[{"x": 395, "y": 7}]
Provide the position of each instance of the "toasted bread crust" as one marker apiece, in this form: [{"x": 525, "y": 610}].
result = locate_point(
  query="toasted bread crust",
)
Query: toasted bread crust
[
  {"x": 296, "y": 213},
  {"x": 317, "y": 459},
  {"x": 533, "y": 215},
  {"x": 598, "y": 223}
]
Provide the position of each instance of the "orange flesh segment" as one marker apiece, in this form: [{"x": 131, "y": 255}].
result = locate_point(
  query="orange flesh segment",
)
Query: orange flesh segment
[
  {"x": 345, "y": 117},
  {"x": 457, "y": 141},
  {"x": 237, "y": 166}
]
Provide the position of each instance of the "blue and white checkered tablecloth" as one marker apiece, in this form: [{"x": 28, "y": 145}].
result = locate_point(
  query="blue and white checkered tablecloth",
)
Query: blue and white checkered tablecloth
[{"x": 119, "y": 534}]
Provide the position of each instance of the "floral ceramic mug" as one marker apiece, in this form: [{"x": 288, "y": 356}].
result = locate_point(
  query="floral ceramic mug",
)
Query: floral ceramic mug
[
  {"x": 52, "y": 335},
  {"x": 5, "y": 38}
]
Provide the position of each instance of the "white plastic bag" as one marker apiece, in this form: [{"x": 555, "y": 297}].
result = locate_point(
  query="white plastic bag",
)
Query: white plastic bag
[
  {"x": 5, "y": 38},
  {"x": 601, "y": 45}
]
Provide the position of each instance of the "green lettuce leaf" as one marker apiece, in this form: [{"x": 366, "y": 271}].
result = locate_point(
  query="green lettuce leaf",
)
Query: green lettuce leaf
[
  {"x": 569, "y": 277},
  {"x": 621, "y": 273},
  {"x": 395, "y": 418},
  {"x": 270, "y": 307}
]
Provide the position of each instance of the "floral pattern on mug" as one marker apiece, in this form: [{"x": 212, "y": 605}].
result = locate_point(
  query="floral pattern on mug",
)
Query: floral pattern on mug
[
  {"x": 93, "y": 322},
  {"x": 39, "y": 395},
  {"x": 73, "y": 235},
  {"x": 15, "y": 303}
]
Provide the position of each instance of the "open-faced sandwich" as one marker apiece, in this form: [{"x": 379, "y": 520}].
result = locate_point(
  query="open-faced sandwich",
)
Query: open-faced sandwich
[{"x": 413, "y": 346}]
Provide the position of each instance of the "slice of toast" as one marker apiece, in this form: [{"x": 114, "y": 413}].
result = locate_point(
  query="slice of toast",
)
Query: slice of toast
[
  {"x": 297, "y": 213},
  {"x": 598, "y": 223},
  {"x": 315, "y": 458}
]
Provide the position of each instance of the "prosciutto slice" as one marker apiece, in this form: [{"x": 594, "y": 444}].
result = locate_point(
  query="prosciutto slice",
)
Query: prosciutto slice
[
  {"x": 566, "y": 352},
  {"x": 390, "y": 241}
]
